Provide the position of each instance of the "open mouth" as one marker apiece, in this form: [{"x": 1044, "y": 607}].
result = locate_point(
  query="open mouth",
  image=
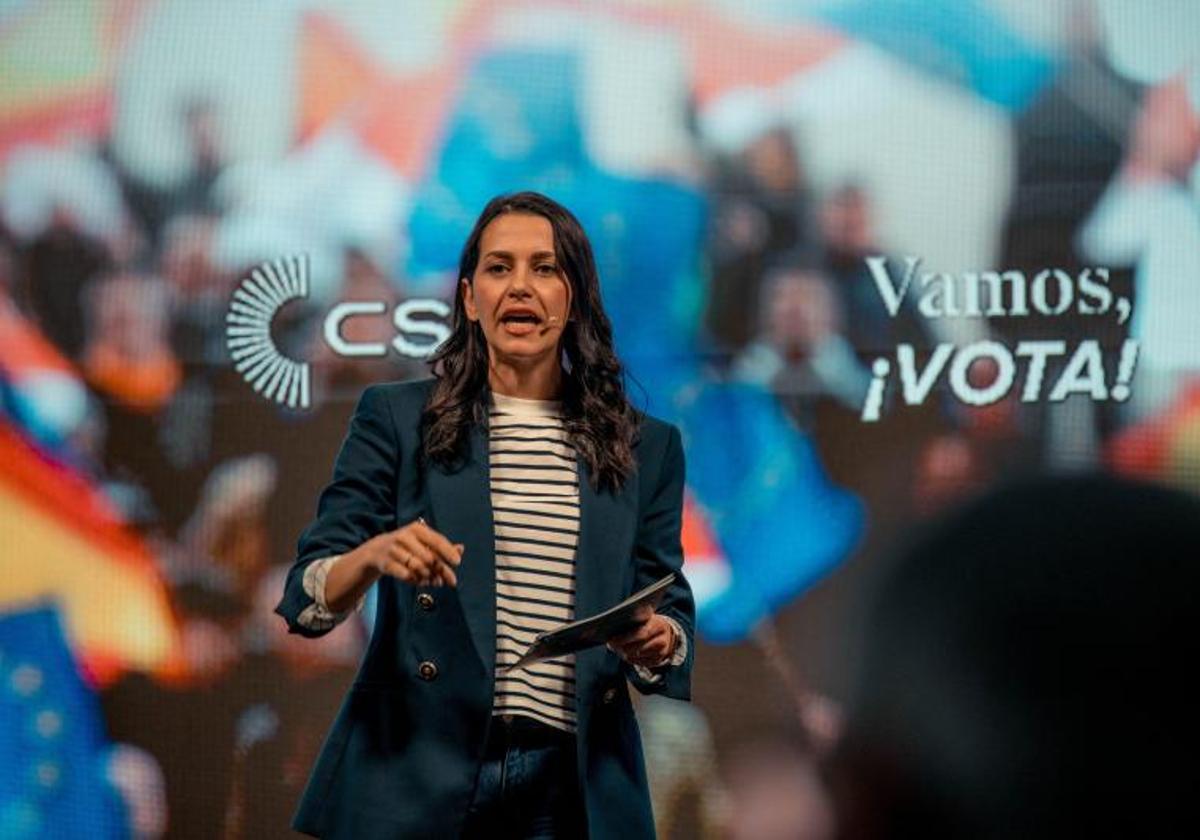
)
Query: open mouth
[
  {"x": 520, "y": 318},
  {"x": 519, "y": 322}
]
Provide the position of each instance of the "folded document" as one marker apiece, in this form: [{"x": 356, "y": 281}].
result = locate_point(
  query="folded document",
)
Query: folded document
[{"x": 590, "y": 632}]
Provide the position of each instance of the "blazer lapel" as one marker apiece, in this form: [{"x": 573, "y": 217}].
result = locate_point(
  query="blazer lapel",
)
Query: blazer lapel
[
  {"x": 606, "y": 523},
  {"x": 461, "y": 506}
]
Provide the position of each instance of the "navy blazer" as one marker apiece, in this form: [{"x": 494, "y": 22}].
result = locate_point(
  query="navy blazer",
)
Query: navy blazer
[{"x": 403, "y": 754}]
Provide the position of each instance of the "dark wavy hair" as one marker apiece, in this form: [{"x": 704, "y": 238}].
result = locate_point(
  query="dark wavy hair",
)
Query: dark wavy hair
[{"x": 601, "y": 422}]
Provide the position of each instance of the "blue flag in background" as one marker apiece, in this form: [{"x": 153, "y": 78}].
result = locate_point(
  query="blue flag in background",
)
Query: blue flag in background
[
  {"x": 514, "y": 127},
  {"x": 52, "y": 742},
  {"x": 780, "y": 522},
  {"x": 961, "y": 41}
]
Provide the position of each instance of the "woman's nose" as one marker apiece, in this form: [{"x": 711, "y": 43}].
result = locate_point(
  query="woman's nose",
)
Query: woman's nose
[{"x": 518, "y": 282}]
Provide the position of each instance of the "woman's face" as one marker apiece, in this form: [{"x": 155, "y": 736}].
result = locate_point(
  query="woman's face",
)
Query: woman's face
[{"x": 518, "y": 294}]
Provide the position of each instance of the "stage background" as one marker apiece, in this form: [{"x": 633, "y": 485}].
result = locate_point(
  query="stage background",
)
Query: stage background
[{"x": 736, "y": 166}]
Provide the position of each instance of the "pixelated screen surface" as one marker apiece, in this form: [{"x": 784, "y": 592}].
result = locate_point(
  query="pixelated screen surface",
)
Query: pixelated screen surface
[{"x": 870, "y": 258}]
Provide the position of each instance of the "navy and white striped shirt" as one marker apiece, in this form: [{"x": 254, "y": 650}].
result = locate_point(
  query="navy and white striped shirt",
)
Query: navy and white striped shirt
[{"x": 535, "y": 507}]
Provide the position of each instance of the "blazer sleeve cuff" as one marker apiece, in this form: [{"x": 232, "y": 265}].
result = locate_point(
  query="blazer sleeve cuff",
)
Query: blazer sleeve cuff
[{"x": 317, "y": 615}]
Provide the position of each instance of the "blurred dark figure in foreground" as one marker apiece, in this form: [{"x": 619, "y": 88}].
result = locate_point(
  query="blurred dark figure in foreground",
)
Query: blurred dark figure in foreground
[{"x": 1023, "y": 672}]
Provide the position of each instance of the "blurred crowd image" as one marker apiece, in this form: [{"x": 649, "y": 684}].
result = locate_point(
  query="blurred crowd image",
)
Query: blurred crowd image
[{"x": 874, "y": 658}]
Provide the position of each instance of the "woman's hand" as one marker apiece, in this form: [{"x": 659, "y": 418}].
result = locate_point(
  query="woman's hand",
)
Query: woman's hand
[
  {"x": 416, "y": 554},
  {"x": 651, "y": 644}
]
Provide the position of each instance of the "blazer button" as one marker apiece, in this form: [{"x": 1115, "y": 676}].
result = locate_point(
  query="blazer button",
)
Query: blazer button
[
  {"x": 425, "y": 601},
  {"x": 610, "y": 694},
  {"x": 427, "y": 670}
]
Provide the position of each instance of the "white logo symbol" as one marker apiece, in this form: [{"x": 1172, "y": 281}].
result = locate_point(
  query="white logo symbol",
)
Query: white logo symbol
[
  {"x": 259, "y": 297},
  {"x": 248, "y": 331}
]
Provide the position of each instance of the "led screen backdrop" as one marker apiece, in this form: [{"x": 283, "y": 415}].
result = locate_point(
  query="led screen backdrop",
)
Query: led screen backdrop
[{"x": 871, "y": 257}]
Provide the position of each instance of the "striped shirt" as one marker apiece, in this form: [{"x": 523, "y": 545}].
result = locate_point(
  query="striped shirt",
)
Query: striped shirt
[{"x": 535, "y": 507}]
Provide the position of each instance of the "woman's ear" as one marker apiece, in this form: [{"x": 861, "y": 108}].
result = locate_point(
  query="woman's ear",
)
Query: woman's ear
[{"x": 468, "y": 296}]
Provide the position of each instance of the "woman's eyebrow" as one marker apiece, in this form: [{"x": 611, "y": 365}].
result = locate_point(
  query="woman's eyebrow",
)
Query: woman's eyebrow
[{"x": 507, "y": 255}]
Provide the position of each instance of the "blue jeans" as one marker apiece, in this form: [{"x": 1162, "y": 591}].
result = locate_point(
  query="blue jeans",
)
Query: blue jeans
[{"x": 528, "y": 785}]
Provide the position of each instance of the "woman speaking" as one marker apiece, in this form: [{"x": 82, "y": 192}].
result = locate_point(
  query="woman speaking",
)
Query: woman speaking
[{"x": 516, "y": 490}]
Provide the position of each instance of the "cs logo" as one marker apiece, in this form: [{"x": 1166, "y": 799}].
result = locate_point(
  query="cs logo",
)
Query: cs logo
[{"x": 287, "y": 381}]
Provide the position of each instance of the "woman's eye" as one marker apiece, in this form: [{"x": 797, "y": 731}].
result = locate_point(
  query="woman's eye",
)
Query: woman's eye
[
  {"x": 547, "y": 269},
  {"x": 495, "y": 268}
]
